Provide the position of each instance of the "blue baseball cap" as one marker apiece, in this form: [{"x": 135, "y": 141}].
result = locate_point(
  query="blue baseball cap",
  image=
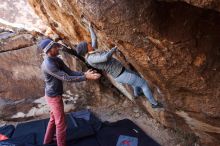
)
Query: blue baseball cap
[{"x": 46, "y": 44}]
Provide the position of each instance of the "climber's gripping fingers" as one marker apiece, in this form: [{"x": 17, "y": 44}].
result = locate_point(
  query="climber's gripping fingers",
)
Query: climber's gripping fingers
[
  {"x": 90, "y": 24},
  {"x": 116, "y": 50}
]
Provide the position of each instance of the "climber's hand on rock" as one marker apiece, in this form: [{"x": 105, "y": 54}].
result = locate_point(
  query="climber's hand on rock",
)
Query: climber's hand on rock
[
  {"x": 114, "y": 49},
  {"x": 90, "y": 24}
]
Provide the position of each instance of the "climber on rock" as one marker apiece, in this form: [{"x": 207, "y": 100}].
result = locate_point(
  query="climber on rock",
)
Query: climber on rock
[
  {"x": 55, "y": 71},
  {"x": 104, "y": 61}
]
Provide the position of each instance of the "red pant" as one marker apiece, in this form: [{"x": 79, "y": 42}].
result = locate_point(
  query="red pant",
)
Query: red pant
[{"x": 57, "y": 121}]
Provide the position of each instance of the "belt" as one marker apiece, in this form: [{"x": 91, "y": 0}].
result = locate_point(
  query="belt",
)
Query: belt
[{"x": 123, "y": 69}]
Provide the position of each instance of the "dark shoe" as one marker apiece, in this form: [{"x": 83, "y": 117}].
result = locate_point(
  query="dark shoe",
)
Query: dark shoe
[
  {"x": 139, "y": 92},
  {"x": 158, "y": 105}
]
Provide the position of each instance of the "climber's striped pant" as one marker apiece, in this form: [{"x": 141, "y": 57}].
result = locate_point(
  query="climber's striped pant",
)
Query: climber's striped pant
[
  {"x": 57, "y": 121},
  {"x": 131, "y": 78}
]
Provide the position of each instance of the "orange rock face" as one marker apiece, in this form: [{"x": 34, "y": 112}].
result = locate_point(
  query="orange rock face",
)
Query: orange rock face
[{"x": 175, "y": 46}]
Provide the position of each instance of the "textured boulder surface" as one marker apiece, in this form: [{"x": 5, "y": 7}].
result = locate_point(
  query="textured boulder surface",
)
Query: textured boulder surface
[
  {"x": 209, "y": 4},
  {"x": 21, "y": 80},
  {"x": 172, "y": 44},
  {"x": 18, "y": 66},
  {"x": 20, "y": 14}
]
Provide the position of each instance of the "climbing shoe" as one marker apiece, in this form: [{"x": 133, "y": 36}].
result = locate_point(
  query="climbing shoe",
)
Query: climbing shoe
[
  {"x": 138, "y": 92},
  {"x": 158, "y": 105}
]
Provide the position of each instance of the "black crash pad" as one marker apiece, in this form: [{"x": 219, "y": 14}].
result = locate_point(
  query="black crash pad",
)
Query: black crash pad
[{"x": 110, "y": 133}]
